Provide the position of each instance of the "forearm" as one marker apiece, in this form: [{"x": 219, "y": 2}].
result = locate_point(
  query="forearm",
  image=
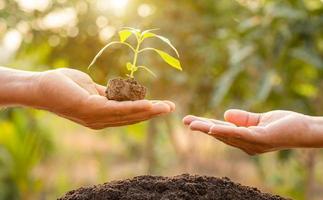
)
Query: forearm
[{"x": 17, "y": 88}]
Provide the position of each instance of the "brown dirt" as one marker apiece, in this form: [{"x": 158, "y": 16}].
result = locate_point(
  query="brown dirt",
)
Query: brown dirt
[
  {"x": 125, "y": 90},
  {"x": 185, "y": 186}
]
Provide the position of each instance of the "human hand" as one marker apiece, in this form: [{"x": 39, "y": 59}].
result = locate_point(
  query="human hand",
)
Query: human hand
[
  {"x": 259, "y": 133},
  {"x": 73, "y": 95}
]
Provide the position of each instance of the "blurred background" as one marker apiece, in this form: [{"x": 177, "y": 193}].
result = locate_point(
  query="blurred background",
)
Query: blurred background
[{"x": 257, "y": 55}]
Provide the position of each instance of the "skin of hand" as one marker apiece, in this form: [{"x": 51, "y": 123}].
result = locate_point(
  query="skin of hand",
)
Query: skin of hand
[
  {"x": 73, "y": 95},
  {"x": 260, "y": 133}
]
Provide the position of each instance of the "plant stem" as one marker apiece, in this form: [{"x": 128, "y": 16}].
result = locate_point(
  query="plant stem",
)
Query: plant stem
[{"x": 135, "y": 58}]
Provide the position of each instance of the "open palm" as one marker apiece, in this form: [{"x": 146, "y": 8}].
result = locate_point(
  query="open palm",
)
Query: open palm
[
  {"x": 257, "y": 133},
  {"x": 73, "y": 95}
]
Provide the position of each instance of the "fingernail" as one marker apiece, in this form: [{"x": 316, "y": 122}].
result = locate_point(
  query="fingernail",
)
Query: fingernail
[{"x": 187, "y": 120}]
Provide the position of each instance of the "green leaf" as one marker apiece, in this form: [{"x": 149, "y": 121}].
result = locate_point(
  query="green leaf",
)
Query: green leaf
[
  {"x": 225, "y": 83},
  {"x": 124, "y": 35},
  {"x": 148, "y": 34},
  {"x": 130, "y": 67},
  {"x": 150, "y": 30},
  {"x": 107, "y": 46},
  {"x": 136, "y": 32},
  {"x": 309, "y": 56},
  {"x": 131, "y": 29},
  {"x": 266, "y": 85},
  {"x": 167, "y": 41},
  {"x": 174, "y": 62},
  {"x": 148, "y": 70}
]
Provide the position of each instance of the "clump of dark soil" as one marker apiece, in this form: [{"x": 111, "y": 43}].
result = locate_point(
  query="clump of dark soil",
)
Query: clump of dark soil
[
  {"x": 125, "y": 90},
  {"x": 175, "y": 188}
]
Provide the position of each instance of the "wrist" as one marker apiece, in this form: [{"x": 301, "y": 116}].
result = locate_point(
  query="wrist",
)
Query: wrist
[
  {"x": 315, "y": 125},
  {"x": 18, "y": 88}
]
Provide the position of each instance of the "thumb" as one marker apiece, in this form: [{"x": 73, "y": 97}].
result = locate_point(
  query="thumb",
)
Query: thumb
[
  {"x": 242, "y": 118},
  {"x": 101, "y": 89}
]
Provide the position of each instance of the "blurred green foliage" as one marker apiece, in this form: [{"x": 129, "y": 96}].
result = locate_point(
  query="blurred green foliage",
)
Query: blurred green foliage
[
  {"x": 253, "y": 54},
  {"x": 23, "y": 144}
]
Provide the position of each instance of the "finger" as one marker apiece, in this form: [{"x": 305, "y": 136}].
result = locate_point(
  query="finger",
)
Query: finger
[
  {"x": 127, "y": 107},
  {"x": 171, "y": 105},
  {"x": 83, "y": 80},
  {"x": 89, "y": 88},
  {"x": 101, "y": 89},
  {"x": 237, "y": 144},
  {"x": 207, "y": 127},
  {"x": 99, "y": 126},
  {"x": 187, "y": 120},
  {"x": 156, "y": 111},
  {"x": 190, "y": 118},
  {"x": 242, "y": 118},
  {"x": 200, "y": 126},
  {"x": 240, "y": 133},
  {"x": 99, "y": 106}
]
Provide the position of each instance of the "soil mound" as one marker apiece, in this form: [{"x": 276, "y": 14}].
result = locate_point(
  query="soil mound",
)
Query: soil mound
[{"x": 180, "y": 187}]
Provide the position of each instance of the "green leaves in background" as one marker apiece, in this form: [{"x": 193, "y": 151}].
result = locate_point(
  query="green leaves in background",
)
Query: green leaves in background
[{"x": 23, "y": 144}]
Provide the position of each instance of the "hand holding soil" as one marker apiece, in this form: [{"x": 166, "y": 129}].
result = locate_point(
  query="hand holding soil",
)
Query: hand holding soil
[
  {"x": 259, "y": 133},
  {"x": 73, "y": 95}
]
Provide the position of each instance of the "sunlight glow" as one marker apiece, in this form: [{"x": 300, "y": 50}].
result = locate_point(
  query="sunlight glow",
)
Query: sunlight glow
[
  {"x": 2, "y": 4},
  {"x": 119, "y": 4},
  {"x": 145, "y": 10},
  {"x": 12, "y": 40},
  {"x": 107, "y": 33},
  {"x": 59, "y": 18},
  {"x": 101, "y": 21},
  {"x": 251, "y": 4},
  {"x": 3, "y": 26},
  {"x": 31, "y": 5},
  {"x": 116, "y": 6}
]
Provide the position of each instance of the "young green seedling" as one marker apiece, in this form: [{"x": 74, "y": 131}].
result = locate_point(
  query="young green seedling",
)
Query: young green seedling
[
  {"x": 141, "y": 36},
  {"x": 120, "y": 89}
]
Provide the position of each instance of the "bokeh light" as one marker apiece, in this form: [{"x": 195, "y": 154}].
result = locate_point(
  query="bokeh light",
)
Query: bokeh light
[
  {"x": 12, "y": 40},
  {"x": 59, "y": 18},
  {"x": 145, "y": 10},
  {"x": 117, "y": 7},
  {"x": 31, "y": 5}
]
